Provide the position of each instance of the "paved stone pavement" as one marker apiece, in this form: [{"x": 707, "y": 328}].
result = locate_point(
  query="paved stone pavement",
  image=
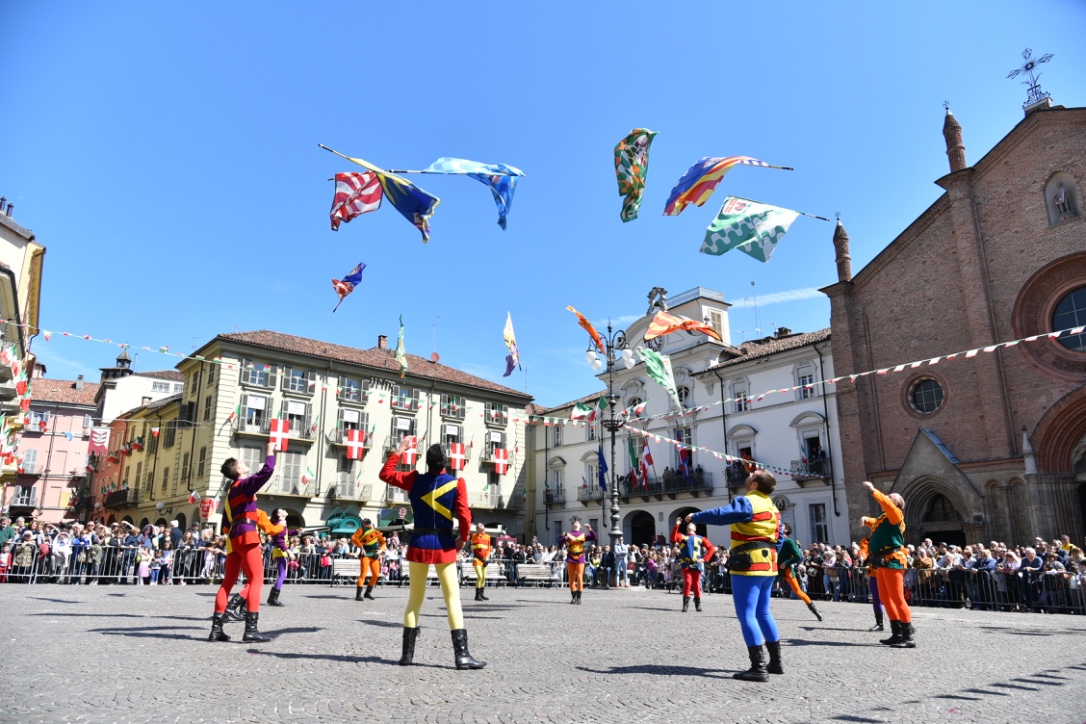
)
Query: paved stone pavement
[{"x": 128, "y": 653}]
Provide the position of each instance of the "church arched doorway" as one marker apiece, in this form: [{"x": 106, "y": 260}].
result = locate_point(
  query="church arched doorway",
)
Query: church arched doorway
[
  {"x": 942, "y": 522},
  {"x": 642, "y": 529}
]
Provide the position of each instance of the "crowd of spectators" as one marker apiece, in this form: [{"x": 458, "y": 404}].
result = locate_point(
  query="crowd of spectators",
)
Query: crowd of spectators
[{"x": 1043, "y": 577}]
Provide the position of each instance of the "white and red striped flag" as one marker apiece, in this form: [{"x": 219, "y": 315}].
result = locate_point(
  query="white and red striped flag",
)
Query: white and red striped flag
[{"x": 356, "y": 194}]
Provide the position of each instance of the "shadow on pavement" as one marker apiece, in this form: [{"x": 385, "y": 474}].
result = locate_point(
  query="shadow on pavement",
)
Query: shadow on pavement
[
  {"x": 341, "y": 658},
  {"x": 51, "y": 600},
  {"x": 662, "y": 670},
  {"x": 803, "y": 642}
]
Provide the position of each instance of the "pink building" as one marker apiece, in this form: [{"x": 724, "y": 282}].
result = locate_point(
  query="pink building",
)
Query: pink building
[{"x": 54, "y": 449}]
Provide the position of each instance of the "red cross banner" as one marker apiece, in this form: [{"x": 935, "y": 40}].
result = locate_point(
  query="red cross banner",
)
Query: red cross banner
[
  {"x": 501, "y": 460},
  {"x": 411, "y": 456},
  {"x": 456, "y": 456},
  {"x": 207, "y": 507},
  {"x": 356, "y": 444},
  {"x": 278, "y": 433}
]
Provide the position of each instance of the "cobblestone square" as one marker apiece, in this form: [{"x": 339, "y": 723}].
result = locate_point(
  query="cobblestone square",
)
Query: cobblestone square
[{"x": 129, "y": 653}]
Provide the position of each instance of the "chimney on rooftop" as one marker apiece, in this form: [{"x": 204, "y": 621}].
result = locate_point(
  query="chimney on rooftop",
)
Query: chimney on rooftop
[
  {"x": 10, "y": 207},
  {"x": 79, "y": 382},
  {"x": 783, "y": 332},
  {"x": 382, "y": 341}
]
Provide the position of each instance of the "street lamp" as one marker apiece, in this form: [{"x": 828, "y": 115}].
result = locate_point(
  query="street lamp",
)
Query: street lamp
[{"x": 613, "y": 342}]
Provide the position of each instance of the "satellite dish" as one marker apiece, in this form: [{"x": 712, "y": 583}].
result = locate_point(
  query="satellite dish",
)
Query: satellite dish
[{"x": 434, "y": 356}]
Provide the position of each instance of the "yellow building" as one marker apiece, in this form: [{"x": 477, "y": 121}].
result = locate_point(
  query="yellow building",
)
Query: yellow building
[{"x": 237, "y": 384}]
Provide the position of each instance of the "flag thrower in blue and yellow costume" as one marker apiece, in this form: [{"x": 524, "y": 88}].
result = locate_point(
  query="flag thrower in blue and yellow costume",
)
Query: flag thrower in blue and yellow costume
[
  {"x": 756, "y": 541},
  {"x": 436, "y": 499},
  {"x": 694, "y": 551}
]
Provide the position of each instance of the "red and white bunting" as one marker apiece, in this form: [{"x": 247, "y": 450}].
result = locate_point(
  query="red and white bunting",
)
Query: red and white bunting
[
  {"x": 457, "y": 457},
  {"x": 278, "y": 432},
  {"x": 501, "y": 460},
  {"x": 356, "y": 444}
]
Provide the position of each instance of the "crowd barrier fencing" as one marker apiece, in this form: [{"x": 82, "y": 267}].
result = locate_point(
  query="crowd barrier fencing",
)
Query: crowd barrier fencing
[{"x": 1020, "y": 590}]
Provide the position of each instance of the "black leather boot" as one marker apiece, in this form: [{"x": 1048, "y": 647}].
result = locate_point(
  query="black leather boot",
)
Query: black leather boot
[
  {"x": 252, "y": 634},
  {"x": 697, "y": 605},
  {"x": 579, "y": 594},
  {"x": 409, "y": 637},
  {"x": 757, "y": 671},
  {"x": 814, "y": 609},
  {"x": 235, "y": 609},
  {"x": 358, "y": 593},
  {"x": 273, "y": 598},
  {"x": 686, "y": 603},
  {"x": 216, "y": 628},
  {"x": 367, "y": 594},
  {"x": 895, "y": 627},
  {"x": 478, "y": 594},
  {"x": 482, "y": 594},
  {"x": 906, "y": 641},
  {"x": 460, "y": 646},
  {"x": 774, "y": 648},
  {"x": 878, "y": 623},
  {"x": 573, "y": 597}
]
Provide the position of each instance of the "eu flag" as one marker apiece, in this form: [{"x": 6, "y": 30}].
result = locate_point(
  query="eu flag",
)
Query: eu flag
[{"x": 603, "y": 467}]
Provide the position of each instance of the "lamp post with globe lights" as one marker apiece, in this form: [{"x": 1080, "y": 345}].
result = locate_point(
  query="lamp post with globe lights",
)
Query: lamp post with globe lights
[{"x": 616, "y": 350}]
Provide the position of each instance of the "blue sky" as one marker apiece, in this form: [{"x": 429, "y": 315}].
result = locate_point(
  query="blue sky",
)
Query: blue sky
[{"x": 166, "y": 155}]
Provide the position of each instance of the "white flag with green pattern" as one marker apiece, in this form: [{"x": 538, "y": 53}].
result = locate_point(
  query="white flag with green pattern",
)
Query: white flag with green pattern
[{"x": 751, "y": 227}]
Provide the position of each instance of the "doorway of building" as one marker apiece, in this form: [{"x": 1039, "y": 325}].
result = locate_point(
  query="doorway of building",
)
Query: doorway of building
[{"x": 642, "y": 529}]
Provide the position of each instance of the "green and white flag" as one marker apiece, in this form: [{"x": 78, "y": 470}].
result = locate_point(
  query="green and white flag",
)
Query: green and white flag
[
  {"x": 582, "y": 411},
  {"x": 401, "y": 353},
  {"x": 658, "y": 367},
  {"x": 751, "y": 227}
]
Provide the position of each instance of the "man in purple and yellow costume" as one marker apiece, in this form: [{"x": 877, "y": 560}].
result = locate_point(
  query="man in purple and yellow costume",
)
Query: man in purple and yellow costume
[
  {"x": 575, "y": 541},
  {"x": 243, "y": 548},
  {"x": 756, "y": 540},
  {"x": 436, "y": 498}
]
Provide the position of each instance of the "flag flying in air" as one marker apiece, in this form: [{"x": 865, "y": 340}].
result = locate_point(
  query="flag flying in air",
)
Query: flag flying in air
[
  {"x": 346, "y": 285},
  {"x": 512, "y": 360},
  {"x": 413, "y": 203},
  {"x": 500, "y": 178},
  {"x": 401, "y": 354},
  {"x": 699, "y": 182},
  {"x": 588, "y": 328},
  {"x": 658, "y": 367},
  {"x": 632, "y": 169},
  {"x": 684, "y": 462},
  {"x": 356, "y": 194},
  {"x": 664, "y": 323},
  {"x": 646, "y": 462},
  {"x": 588, "y": 413},
  {"x": 603, "y": 467},
  {"x": 751, "y": 227}
]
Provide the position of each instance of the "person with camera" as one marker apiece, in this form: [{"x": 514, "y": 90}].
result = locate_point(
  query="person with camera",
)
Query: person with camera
[{"x": 756, "y": 541}]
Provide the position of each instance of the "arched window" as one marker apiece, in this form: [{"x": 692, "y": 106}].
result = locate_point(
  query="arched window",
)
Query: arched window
[
  {"x": 940, "y": 510},
  {"x": 684, "y": 395}
]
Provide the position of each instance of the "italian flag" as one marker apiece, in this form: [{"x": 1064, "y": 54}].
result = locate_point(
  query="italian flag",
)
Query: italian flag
[
  {"x": 307, "y": 476},
  {"x": 581, "y": 411}
]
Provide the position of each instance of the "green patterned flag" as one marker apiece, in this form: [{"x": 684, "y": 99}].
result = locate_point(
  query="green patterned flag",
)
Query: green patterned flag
[
  {"x": 658, "y": 367},
  {"x": 752, "y": 227},
  {"x": 632, "y": 168}
]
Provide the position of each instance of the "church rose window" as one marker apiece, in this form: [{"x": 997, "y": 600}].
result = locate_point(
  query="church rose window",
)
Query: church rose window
[
  {"x": 926, "y": 396},
  {"x": 1071, "y": 312}
]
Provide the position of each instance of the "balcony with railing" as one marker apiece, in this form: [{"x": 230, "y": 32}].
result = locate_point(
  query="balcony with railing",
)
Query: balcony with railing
[
  {"x": 554, "y": 497},
  {"x": 122, "y": 498},
  {"x": 339, "y": 437},
  {"x": 283, "y": 484},
  {"x": 816, "y": 470},
  {"x": 590, "y": 494},
  {"x": 347, "y": 490},
  {"x": 395, "y": 495},
  {"x": 484, "y": 499},
  {"x": 300, "y": 427}
]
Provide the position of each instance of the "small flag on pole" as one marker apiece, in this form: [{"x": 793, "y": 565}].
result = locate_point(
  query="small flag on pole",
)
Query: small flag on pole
[{"x": 346, "y": 285}]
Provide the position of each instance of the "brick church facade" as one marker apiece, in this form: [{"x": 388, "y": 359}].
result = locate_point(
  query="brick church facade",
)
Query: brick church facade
[{"x": 991, "y": 446}]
